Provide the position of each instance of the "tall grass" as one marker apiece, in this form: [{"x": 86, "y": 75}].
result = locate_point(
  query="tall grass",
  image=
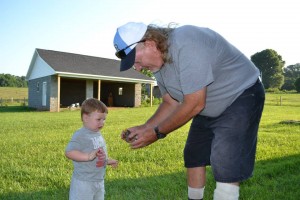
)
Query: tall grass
[{"x": 33, "y": 165}]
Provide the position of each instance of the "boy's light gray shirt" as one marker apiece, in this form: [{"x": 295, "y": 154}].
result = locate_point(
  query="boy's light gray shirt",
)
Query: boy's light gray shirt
[
  {"x": 85, "y": 140},
  {"x": 202, "y": 57}
]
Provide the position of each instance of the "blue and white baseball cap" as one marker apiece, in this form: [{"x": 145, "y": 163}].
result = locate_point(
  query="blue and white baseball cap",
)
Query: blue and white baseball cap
[{"x": 125, "y": 40}]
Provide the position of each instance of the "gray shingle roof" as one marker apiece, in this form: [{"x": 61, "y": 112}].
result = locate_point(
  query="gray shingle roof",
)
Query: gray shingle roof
[{"x": 89, "y": 65}]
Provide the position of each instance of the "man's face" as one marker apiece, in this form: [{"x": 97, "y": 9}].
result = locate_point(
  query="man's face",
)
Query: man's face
[{"x": 147, "y": 56}]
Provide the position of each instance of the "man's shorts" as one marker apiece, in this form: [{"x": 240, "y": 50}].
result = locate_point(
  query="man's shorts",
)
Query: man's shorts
[{"x": 227, "y": 142}]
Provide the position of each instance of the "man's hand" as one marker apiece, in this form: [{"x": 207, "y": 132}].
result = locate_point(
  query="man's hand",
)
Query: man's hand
[
  {"x": 139, "y": 136},
  {"x": 125, "y": 135}
]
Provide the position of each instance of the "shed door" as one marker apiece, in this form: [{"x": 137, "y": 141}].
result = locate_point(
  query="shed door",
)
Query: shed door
[{"x": 44, "y": 97}]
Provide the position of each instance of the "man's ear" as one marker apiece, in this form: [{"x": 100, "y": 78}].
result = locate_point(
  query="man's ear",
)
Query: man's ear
[
  {"x": 148, "y": 42},
  {"x": 151, "y": 44}
]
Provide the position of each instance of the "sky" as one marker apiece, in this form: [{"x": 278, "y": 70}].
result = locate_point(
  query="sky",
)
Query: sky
[{"x": 88, "y": 27}]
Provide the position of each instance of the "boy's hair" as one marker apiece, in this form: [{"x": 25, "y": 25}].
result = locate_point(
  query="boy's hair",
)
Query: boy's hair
[{"x": 91, "y": 105}]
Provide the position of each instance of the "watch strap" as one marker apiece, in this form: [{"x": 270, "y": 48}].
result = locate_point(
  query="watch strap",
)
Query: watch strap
[{"x": 159, "y": 135}]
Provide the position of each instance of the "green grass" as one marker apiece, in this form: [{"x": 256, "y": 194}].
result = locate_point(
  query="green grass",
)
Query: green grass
[{"x": 33, "y": 165}]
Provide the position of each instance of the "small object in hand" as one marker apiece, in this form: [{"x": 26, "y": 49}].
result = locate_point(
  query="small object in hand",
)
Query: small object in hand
[
  {"x": 100, "y": 150},
  {"x": 127, "y": 133}
]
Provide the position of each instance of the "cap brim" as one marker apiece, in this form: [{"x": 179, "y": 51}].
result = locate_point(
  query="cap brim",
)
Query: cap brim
[{"x": 128, "y": 61}]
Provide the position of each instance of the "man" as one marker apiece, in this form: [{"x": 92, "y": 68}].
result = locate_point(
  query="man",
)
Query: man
[{"x": 204, "y": 78}]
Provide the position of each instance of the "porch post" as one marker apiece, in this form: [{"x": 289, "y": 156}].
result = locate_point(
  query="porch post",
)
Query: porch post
[
  {"x": 151, "y": 94},
  {"x": 99, "y": 89},
  {"x": 58, "y": 93}
]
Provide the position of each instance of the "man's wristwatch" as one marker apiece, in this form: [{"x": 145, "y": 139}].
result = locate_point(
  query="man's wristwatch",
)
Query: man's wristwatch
[{"x": 159, "y": 135}]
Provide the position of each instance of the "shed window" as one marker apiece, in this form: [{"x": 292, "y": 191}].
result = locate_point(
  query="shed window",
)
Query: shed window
[
  {"x": 37, "y": 86},
  {"x": 120, "y": 91}
]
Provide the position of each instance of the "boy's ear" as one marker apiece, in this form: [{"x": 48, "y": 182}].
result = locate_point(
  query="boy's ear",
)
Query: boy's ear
[{"x": 84, "y": 117}]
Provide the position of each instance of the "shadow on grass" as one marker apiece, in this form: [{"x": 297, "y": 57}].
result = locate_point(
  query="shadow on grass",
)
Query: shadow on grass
[
  {"x": 282, "y": 125},
  {"x": 16, "y": 109},
  {"x": 273, "y": 179},
  {"x": 58, "y": 194}
]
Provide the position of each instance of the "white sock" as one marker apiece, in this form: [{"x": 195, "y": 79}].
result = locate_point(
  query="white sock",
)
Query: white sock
[
  {"x": 195, "y": 193},
  {"x": 226, "y": 191}
]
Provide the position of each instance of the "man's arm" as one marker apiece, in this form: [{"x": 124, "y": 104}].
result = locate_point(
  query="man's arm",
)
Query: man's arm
[
  {"x": 191, "y": 106},
  {"x": 166, "y": 108},
  {"x": 169, "y": 120}
]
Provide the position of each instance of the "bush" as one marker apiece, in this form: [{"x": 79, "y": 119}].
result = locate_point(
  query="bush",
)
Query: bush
[
  {"x": 273, "y": 90},
  {"x": 146, "y": 102}
]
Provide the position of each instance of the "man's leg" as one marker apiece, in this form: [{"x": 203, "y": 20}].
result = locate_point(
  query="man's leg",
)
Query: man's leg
[
  {"x": 197, "y": 155},
  {"x": 234, "y": 147},
  {"x": 196, "y": 182}
]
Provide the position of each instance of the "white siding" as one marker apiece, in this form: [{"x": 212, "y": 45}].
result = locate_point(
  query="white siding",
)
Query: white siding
[{"x": 40, "y": 69}]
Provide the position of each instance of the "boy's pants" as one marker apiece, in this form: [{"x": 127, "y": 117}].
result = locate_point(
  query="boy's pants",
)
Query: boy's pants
[{"x": 86, "y": 190}]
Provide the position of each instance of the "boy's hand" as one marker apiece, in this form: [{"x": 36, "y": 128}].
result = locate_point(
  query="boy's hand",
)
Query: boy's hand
[
  {"x": 112, "y": 162},
  {"x": 101, "y": 158},
  {"x": 92, "y": 155}
]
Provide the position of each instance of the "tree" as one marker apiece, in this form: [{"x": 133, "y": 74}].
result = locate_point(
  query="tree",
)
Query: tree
[
  {"x": 291, "y": 73},
  {"x": 145, "y": 88},
  {"x": 277, "y": 81},
  {"x": 147, "y": 73},
  {"x": 270, "y": 64},
  {"x": 297, "y": 85}
]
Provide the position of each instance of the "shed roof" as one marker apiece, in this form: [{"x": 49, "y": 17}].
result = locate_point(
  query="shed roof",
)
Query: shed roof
[{"x": 77, "y": 65}]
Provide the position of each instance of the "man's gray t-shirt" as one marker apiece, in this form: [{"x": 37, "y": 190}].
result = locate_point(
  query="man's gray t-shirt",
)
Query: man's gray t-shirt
[
  {"x": 85, "y": 140},
  {"x": 202, "y": 57}
]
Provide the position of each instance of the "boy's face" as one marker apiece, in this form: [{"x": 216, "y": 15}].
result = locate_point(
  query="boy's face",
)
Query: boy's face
[{"x": 94, "y": 121}]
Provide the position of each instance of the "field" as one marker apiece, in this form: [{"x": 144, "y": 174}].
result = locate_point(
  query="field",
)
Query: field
[
  {"x": 13, "y": 96},
  {"x": 12, "y": 92},
  {"x": 33, "y": 165}
]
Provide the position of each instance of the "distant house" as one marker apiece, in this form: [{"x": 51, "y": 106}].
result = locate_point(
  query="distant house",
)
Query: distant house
[{"x": 59, "y": 79}]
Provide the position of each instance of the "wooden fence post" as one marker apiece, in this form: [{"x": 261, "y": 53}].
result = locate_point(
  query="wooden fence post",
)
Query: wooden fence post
[{"x": 280, "y": 100}]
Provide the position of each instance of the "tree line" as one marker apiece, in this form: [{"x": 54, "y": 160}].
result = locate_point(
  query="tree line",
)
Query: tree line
[{"x": 8, "y": 80}]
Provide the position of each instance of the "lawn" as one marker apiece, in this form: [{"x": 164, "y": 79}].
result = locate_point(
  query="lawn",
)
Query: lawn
[{"x": 33, "y": 165}]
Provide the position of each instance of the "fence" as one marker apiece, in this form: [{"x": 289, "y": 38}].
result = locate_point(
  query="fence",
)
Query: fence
[
  {"x": 12, "y": 101},
  {"x": 283, "y": 99},
  {"x": 271, "y": 99}
]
